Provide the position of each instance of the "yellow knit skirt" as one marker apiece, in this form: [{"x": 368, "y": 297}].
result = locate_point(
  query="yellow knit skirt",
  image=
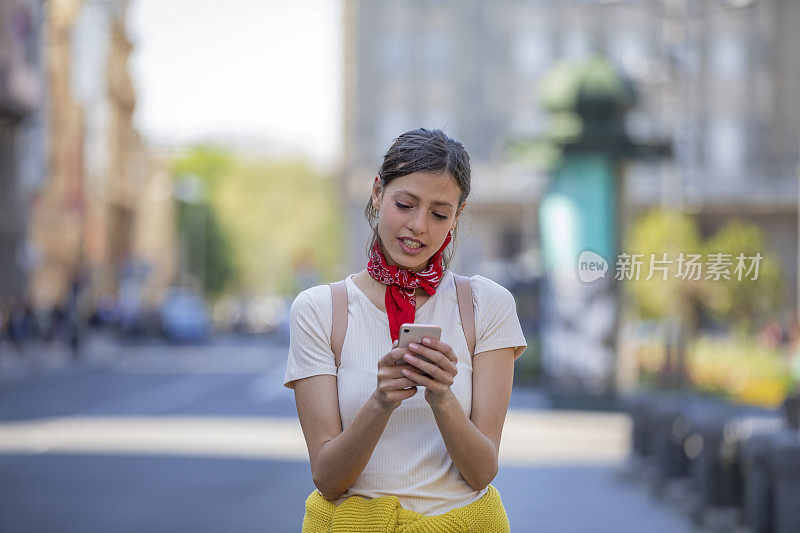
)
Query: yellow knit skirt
[{"x": 384, "y": 515}]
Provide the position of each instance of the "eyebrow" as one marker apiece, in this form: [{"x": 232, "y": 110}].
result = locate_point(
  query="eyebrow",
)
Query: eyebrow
[{"x": 415, "y": 197}]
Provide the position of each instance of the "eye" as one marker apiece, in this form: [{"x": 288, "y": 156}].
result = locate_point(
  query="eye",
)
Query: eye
[{"x": 437, "y": 215}]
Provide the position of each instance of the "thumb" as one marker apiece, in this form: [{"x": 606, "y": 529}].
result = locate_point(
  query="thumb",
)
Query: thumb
[{"x": 394, "y": 344}]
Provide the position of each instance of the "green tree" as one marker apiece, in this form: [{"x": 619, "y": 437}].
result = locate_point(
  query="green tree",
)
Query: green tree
[
  {"x": 269, "y": 216},
  {"x": 746, "y": 302},
  {"x": 207, "y": 250},
  {"x": 277, "y": 213},
  {"x": 654, "y": 234}
]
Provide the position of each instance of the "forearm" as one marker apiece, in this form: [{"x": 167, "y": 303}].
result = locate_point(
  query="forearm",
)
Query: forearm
[
  {"x": 342, "y": 459},
  {"x": 472, "y": 452}
]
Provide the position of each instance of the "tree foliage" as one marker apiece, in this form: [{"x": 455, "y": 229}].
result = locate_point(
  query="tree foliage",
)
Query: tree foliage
[
  {"x": 274, "y": 215},
  {"x": 744, "y": 303},
  {"x": 662, "y": 232},
  {"x": 747, "y": 302}
]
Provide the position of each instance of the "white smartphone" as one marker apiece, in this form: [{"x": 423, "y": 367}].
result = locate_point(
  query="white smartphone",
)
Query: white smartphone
[{"x": 414, "y": 333}]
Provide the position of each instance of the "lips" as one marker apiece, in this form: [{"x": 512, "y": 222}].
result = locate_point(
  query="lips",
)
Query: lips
[{"x": 408, "y": 250}]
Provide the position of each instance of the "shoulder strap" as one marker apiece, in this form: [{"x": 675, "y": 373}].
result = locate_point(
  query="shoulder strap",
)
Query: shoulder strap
[
  {"x": 466, "y": 309},
  {"x": 339, "y": 307},
  {"x": 339, "y": 324}
]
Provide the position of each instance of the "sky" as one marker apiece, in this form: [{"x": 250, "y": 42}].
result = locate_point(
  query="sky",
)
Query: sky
[{"x": 263, "y": 74}]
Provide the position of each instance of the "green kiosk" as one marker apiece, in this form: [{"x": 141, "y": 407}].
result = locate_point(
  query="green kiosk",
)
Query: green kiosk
[{"x": 579, "y": 220}]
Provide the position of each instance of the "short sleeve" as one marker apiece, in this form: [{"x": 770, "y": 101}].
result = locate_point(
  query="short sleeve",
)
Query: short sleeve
[
  {"x": 310, "y": 352},
  {"x": 496, "y": 321}
]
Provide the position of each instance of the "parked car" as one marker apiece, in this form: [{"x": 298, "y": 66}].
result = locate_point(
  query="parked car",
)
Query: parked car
[{"x": 184, "y": 316}]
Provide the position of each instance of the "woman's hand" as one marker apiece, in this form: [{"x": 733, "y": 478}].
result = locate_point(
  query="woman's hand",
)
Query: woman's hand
[
  {"x": 441, "y": 370},
  {"x": 393, "y": 387}
]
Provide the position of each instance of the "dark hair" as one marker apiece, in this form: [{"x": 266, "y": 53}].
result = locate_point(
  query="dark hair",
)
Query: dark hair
[{"x": 423, "y": 150}]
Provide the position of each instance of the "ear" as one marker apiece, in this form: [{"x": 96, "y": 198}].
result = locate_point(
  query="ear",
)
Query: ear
[
  {"x": 376, "y": 193},
  {"x": 458, "y": 214}
]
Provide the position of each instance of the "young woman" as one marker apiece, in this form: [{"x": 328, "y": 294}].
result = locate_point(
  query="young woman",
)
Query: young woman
[{"x": 383, "y": 456}]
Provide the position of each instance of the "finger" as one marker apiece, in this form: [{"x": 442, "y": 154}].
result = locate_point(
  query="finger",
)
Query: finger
[
  {"x": 436, "y": 372},
  {"x": 430, "y": 354},
  {"x": 435, "y": 357},
  {"x": 396, "y": 384},
  {"x": 441, "y": 347},
  {"x": 397, "y": 356},
  {"x": 391, "y": 358},
  {"x": 400, "y": 394},
  {"x": 427, "y": 382},
  {"x": 392, "y": 371}
]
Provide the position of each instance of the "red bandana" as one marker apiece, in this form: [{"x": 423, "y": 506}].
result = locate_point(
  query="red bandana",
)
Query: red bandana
[{"x": 401, "y": 300}]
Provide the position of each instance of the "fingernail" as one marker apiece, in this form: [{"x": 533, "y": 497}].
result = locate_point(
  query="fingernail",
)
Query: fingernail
[
  {"x": 426, "y": 340},
  {"x": 408, "y": 357},
  {"x": 413, "y": 346}
]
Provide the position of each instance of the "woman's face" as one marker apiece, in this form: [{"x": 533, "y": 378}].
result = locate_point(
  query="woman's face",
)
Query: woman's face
[{"x": 422, "y": 207}]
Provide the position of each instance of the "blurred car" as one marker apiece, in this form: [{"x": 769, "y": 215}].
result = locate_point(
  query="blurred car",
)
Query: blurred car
[{"x": 184, "y": 316}]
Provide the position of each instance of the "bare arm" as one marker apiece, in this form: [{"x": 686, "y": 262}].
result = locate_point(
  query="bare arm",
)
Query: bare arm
[
  {"x": 338, "y": 457},
  {"x": 472, "y": 442}
]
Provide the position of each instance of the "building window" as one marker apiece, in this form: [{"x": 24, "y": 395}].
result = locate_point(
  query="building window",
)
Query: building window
[
  {"x": 575, "y": 44},
  {"x": 531, "y": 53},
  {"x": 438, "y": 52},
  {"x": 627, "y": 50},
  {"x": 395, "y": 54},
  {"x": 393, "y": 123},
  {"x": 726, "y": 146},
  {"x": 728, "y": 59}
]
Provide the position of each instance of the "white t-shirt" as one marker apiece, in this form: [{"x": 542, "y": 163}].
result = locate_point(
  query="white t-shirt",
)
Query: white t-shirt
[{"x": 410, "y": 460}]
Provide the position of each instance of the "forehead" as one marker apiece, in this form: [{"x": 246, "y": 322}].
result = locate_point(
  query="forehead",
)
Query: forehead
[{"x": 429, "y": 186}]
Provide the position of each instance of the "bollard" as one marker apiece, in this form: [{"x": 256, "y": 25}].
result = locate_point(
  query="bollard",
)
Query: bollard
[
  {"x": 791, "y": 409},
  {"x": 744, "y": 454},
  {"x": 750, "y": 421},
  {"x": 757, "y": 508},
  {"x": 635, "y": 407},
  {"x": 668, "y": 433},
  {"x": 708, "y": 421},
  {"x": 785, "y": 469}
]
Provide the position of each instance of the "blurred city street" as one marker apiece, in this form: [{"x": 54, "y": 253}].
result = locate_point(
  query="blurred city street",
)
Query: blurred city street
[
  {"x": 174, "y": 174},
  {"x": 205, "y": 438}
]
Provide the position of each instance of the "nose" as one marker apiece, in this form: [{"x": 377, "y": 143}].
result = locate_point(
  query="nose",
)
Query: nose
[{"x": 418, "y": 222}]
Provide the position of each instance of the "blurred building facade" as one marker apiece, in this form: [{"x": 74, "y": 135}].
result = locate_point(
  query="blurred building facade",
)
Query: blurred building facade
[
  {"x": 22, "y": 139},
  {"x": 724, "y": 85},
  {"x": 717, "y": 77},
  {"x": 101, "y": 180},
  {"x": 442, "y": 65}
]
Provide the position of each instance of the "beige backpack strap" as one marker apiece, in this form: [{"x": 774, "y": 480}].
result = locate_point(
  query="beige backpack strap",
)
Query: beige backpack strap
[
  {"x": 339, "y": 325},
  {"x": 466, "y": 309}
]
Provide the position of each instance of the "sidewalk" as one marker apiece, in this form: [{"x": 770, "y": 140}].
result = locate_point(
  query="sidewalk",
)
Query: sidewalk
[
  {"x": 561, "y": 470},
  {"x": 39, "y": 358}
]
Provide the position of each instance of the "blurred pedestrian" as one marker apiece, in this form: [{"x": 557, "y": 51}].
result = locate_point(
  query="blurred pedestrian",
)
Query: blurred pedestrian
[
  {"x": 55, "y": 325},
  {"x": 21, "y": 327},
  {"x": 379, "y": 451},
  {"x": 74, "y": 317}
]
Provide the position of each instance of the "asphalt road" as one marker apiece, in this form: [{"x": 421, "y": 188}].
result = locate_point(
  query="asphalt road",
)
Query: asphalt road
[{"x": 205, "y": 439}]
